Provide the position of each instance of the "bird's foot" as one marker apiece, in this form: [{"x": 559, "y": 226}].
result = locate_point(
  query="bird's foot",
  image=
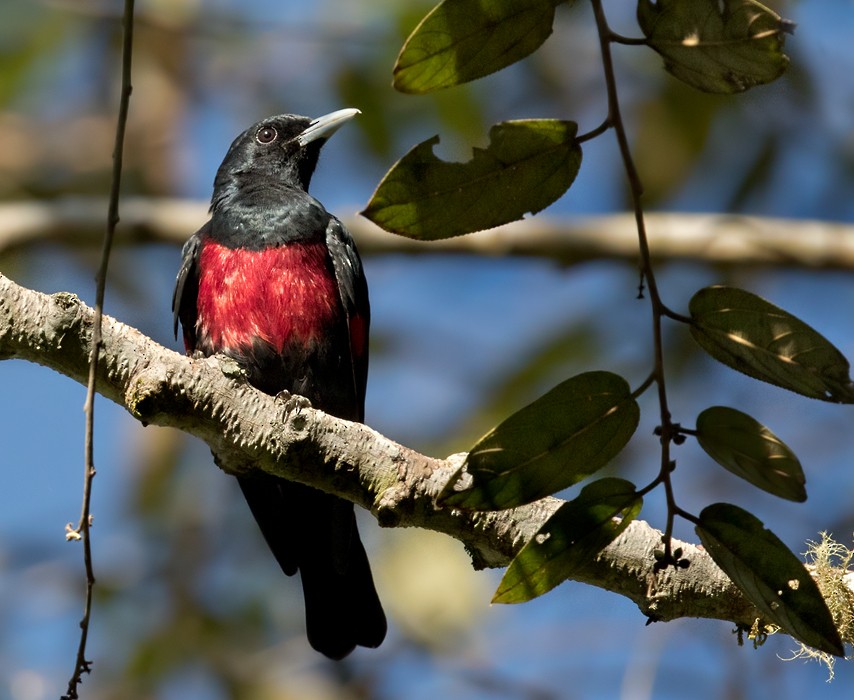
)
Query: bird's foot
[
  {"x": 293, "y": 403},
  {"x": 230, "y": 367}
]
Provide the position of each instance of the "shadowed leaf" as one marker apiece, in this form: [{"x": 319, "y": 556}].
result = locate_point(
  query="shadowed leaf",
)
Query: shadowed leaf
[
  {"x": 527, "y": 166},
  {"x": 561, "y": 438},
  {"x": 761, "y": 340},
  {"x": 771, "y": 577},
  {"x": 570, "y": 538},
  {"x": 748, "y": 449},
  {"x": 722, "y": 46}
]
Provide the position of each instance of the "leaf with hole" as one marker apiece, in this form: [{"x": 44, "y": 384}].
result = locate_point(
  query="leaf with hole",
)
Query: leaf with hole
[
  {"x": 462, "y": 40},
  {"x": 769, "y": 575},
  {"x": 722, "y": 46},
  {"x": 558, "y": 440},
  {"x": 748, "y": 449},
  {"x": 753, "y": 336},
  {"x": 569, "y": 539},
  {"x": 528, "y": 164}
]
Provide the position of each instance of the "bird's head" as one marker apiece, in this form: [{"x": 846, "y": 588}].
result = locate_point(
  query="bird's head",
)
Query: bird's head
[{"x": 279, "y": 151}]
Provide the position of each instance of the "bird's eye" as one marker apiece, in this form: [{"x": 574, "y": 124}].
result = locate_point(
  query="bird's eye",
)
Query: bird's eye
[{"x": 266, "y": 134}]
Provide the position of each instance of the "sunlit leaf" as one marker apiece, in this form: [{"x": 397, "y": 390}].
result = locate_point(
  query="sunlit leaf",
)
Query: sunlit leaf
[
  {"x": 570, "y": 538},
  {"x": 748, "y": 449},
  {"x": 527, "y": 166},
  {"x": 761, "y": 340},
  {"x": 461, "y": 40},
  {"x": 722, "y": 46},
  {"x": 561, "y": 438},
  {"x": 768, "y": 574}
]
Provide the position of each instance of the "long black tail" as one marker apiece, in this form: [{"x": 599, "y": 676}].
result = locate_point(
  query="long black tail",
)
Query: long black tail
[{"x": 315, "y": 533}]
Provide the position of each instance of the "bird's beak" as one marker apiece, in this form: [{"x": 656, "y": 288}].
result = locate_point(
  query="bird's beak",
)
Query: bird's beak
[{"x": 323, "y": 127}]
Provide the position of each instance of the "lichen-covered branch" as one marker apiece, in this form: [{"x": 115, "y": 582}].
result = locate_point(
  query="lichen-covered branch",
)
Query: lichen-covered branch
[{"x": 248, "y": 430}]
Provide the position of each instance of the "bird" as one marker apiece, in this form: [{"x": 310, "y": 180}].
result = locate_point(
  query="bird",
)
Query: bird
[{"x": 274, "y": 281}]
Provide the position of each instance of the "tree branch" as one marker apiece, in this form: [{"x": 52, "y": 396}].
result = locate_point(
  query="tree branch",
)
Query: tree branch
[
  {"x": 712, "y": 238},
  {"x": 249, "y": 430}
]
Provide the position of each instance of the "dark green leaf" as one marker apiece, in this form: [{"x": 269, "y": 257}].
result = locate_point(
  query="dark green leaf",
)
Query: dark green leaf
[
  {"x": 527, "y": 166},
  {"x": 761, "y": 340},
  {"x": 769, "y": 575},
  {"x": 748, "y": 449},
  {"x": 570, "y": 538},
  {"x": 461, "y": 40},
  {"x": 722, "y": 46},
  {"x": 561, "y": 438}
]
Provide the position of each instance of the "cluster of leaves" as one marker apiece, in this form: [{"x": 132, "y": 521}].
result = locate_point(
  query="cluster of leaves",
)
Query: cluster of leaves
[{"x": 571, "y": 432}]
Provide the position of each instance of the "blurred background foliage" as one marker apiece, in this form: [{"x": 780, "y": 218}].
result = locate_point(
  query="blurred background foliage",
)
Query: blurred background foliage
[{"x": 189, "y": 602}]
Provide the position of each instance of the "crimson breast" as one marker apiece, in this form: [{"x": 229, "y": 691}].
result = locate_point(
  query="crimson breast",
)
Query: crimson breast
[{"x": 277, "y": 295}]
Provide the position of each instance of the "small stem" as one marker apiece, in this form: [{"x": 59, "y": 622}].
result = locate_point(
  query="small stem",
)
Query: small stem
[
  {"x": 627, "y": 40},
  {"x": 606, "y": 37},
  {"x": 666, "y": 311},
  {"x": 598, "y": 131},
  {"x": 644, "y": 385},
  {"x": 81, "y": 664}
]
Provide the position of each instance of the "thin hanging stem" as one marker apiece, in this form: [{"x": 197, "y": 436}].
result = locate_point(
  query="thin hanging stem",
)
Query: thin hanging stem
[
  {"x": 667, "y": 430},
  {"x": 82, "y": 532}
]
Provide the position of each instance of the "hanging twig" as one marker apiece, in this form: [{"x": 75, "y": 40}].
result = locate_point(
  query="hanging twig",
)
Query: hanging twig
[
  {"x": 82, "y": 532},
  {"x": 668, "y": 432}
]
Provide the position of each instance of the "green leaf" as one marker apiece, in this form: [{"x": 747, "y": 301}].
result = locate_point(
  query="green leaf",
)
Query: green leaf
[
  {"x": 753, "y": 336},
  {"x": 569, "y": 539},
  {"x": 561, "y": 438},
  {"x": 722, "y": 46},
  {"x": 769, "y": 575},
  {"x": 527, "y": 166},
  {"x": 461, "y": 40},
  {"x": 748, "y": 449}
]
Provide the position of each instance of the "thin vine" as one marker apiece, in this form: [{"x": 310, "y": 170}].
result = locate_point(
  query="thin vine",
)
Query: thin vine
[
  {"x": 668, "y": 432},
  {"x": 83, "y": 530}
]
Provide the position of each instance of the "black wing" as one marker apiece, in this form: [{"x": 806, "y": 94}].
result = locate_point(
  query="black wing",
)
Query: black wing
[
  {"x": 353, "y": 289},
  {"x": 184, "y": 298}
]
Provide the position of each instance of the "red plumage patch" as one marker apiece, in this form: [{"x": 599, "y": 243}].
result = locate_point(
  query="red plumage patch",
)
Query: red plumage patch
[{"x": 275, "y": 295}]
